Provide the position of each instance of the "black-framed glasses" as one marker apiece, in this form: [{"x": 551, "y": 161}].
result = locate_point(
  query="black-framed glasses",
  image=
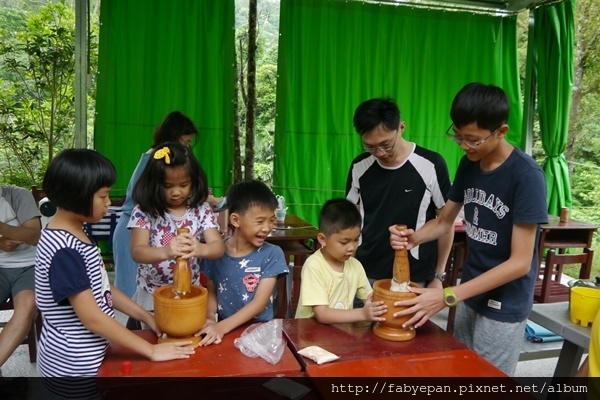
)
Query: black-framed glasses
[
  {"x": 470, "y": 143},
  {"x": 385, "y": 149}
]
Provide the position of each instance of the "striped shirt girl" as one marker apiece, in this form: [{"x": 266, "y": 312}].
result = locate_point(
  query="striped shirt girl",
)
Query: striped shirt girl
[{"x": 65, "y": 266}]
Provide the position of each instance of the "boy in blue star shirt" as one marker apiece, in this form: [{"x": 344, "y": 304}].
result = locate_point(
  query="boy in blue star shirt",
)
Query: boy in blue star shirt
[{"x": 240, "y": 284}]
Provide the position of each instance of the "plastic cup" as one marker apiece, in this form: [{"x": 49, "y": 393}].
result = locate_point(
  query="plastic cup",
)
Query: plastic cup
[{"x": 280, "y": 215}]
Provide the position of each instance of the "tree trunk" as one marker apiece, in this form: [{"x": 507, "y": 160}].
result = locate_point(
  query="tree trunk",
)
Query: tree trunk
[
  {"x": 251, "y": 87},
  {"x": 585, "y": 54},
  {"x": 237, "y": 156}
]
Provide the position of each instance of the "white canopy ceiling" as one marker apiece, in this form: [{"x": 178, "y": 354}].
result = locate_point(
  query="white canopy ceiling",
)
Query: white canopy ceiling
[{"x": 494, "y": 6}]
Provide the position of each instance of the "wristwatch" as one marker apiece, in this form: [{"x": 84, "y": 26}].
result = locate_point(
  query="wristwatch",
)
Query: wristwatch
[
  {"x": 441, "y": 277},
  {"x": 449, "y": 297}
]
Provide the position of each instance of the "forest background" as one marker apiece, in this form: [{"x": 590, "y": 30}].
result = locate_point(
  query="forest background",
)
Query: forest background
[{"x": 37, "y": 76}]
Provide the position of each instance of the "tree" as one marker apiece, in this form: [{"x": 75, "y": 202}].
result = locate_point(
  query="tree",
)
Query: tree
[
  {"x": 586, "y": 77},
  {"x": 251, "y": 97},
  {"x": 254, "y": 102},
  {"x": 37, "y": 108}
]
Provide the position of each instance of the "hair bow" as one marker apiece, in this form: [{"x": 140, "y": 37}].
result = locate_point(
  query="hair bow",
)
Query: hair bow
[{"x": 163, "y": 153}]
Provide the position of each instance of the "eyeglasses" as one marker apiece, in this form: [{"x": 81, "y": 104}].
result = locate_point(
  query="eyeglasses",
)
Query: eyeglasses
[
  {"x": 385, "y": 149},
  {"x": 470, "y": 143}
]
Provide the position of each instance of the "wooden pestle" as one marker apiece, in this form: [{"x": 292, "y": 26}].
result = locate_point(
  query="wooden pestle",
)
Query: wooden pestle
[
  {"x": 401, "y": 265},
  {"x": 182, "y": 273}
]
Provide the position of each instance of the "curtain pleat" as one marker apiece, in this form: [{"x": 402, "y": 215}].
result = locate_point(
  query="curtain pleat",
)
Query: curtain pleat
[
  {"x": 334, "y": 54},
  {"x": 555, "y": 38},
  {"x": 159, "y": 56}
]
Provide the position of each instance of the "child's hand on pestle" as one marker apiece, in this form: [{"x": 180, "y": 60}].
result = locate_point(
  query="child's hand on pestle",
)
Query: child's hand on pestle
[
  {"x": 176, "y": 247},
  {"x": 401, "y": 239},
  {"x": 372, "y": 310},
  {"x": 172, "y": 351},
  {"x": 188, "y": 245}
]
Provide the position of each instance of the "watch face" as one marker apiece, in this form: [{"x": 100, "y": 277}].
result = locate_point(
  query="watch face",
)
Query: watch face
[{"x": 449, "y": 297}]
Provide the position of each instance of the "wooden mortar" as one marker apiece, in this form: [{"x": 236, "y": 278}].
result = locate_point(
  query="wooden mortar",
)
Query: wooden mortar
[{"x": 180, "y": 318}]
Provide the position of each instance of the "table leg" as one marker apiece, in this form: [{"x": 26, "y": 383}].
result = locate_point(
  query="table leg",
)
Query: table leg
[{"x": 568, "y": 360}]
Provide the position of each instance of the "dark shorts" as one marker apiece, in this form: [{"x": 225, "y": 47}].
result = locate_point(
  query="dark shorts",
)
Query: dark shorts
[{"x": 14, "y": 280}]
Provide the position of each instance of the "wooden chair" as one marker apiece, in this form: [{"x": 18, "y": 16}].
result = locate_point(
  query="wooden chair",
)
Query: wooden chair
[
  {"x": 285, "y": 299},
  {"x": 281, "y": 298},
  {"x": 222, "y": 217},
  {"x": 38, "y": 193},
  {"x": 454, "y": 266},
  {"x": 34, "y": 331},
  {"x": 295, "y": 255},
  {"x": 548, "y": 288}
]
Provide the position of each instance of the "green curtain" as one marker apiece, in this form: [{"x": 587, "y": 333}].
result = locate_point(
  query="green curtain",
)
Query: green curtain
[
  {"x": 554, "y": 35},
  {"x": 159, "y": 56},
  {"x": 335, "y": 54}
]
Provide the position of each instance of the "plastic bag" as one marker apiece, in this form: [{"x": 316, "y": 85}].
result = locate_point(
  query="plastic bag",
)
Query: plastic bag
[{"x": 264, "y": 340}]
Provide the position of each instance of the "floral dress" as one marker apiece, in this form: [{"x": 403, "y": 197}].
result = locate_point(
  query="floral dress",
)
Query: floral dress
[{"x": 162, "y": 230}]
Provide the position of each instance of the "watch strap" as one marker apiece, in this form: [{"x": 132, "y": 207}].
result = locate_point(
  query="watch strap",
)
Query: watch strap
[{"x": 449, "y": 297}]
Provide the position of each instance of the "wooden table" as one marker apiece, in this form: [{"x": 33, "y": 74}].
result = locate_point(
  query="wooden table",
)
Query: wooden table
[
  {"x": 294, "y": 229},
  {"x": 433, "y": 352},
  {"x": 296, "y": 238},
  {"x": 444, "y": 364},
  {"x": 217, "y": 360},
  {"x": 566, "y": 235},
  {"x": 556, "y": 318}
]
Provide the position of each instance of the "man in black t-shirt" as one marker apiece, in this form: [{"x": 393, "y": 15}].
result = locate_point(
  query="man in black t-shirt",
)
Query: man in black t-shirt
[{"x": 396, "y": 182}]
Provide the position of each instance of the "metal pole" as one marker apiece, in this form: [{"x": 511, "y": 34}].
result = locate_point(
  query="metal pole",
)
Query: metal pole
[{"x": 81, "y": 73}]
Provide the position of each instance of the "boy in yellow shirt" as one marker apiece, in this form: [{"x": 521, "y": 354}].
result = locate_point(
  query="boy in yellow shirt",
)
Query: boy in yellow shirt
[{"x": 332, "y": 277}]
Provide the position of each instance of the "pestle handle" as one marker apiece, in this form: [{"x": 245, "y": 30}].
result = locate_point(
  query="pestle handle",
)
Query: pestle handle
[
  {"x": 401, "y": 265},
  {"x": 182, "y": 274}
]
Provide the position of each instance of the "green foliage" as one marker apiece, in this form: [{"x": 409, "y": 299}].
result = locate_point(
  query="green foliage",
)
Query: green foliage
[
  {"x": 586, "y": 194},
  {"x": 588, "y": 20},
  {"x": 11, "y": 21},
  {"x": 588, "y": 126},
  {"x": 266, "y": 80},
  {"x": 37, "y": 107}
]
